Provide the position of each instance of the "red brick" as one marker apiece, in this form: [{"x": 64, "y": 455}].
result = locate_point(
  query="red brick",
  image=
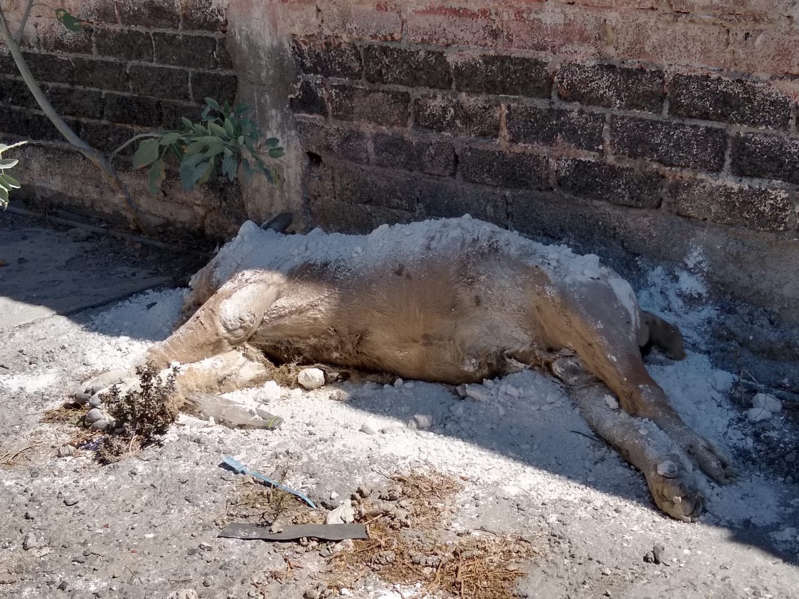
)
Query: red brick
[
  {"x": 361, "y": 22},
  {"x": 449, "y": 26},
  {"x": 574, "y": 33},
  {"x": 666, "y": 40}
]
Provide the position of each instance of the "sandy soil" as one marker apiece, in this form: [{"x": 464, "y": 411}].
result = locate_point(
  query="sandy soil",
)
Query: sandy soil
[{"x": 526, "y": 462}]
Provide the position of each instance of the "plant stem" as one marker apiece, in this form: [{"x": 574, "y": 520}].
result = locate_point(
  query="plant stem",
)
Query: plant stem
[
  {"x": 25, "y": 15},
  {"x": 91, "y": 154},
  {"x": 131, "y": 140}
]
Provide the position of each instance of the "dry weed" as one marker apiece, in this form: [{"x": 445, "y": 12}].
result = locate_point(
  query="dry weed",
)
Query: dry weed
[
  {"x": 406, "y": 522},
  {"x": 68, "y": 413}
]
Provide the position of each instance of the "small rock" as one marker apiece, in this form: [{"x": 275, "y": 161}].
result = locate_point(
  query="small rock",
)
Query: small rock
[
  {"x": 95, "y": 401},
  {"x": 767, "y": 401},
  {"x": 277, "y": 526},
  {"x": 398, "y": 382},
  {"x": 343, "y": 514},
  {"x": 183, "y": 594},
  {"x": 65, "y": 451},
  {"x": 70, "y": 501},
  {"x": 368, "y": 429},
  {"x": 364, "y": 491},
  {"x": 758, "y": 414},
  {"x": 611, "y": 402},
  {"x": 28, "y": 516},
  {"x": 31, "y": 541},
  {"x": 100, "y": 425},
  {"x": 62, "y": 586},
  {"x": 333, "y": 495},
  {"x": 423, "y": 421},
  {"x": 461, "y": 391},
  {"x": 478, "y": 392},
  {"x": 93, "y": 415},
  {"x": 311, "y": 378},
  {"x": 659, "y": 553}
]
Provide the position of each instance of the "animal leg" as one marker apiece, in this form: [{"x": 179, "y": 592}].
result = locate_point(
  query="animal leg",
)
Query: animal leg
[
  {"x": 602, "y": 340},
  {"x": 670, "y": 480},
  {"x": 227, "y": 320},
  {"x": 662, "y": 334}
]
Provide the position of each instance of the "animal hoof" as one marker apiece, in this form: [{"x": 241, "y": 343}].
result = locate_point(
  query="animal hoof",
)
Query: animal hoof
[
  {"x": 710, "y": 459},
  {"x": 674, "y": 491}
]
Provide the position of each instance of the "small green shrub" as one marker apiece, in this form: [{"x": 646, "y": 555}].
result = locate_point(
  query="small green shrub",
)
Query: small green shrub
[
  {"x": 7, "y": 182},
  {"x": 224, "y": 139}
]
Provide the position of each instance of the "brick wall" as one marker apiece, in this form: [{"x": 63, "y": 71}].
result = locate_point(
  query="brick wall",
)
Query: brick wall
[
  {"x": 136, "y": 66},
  {"x": 664, "y": 127}
]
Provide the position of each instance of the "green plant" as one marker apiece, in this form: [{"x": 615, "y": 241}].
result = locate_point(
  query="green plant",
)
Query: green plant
[
  {"x": 7, "y": 182},
  {"x": 223, "y": 140}
]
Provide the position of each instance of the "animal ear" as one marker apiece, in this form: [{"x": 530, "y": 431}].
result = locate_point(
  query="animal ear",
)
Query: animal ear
[{"x": 661, "y": 334}]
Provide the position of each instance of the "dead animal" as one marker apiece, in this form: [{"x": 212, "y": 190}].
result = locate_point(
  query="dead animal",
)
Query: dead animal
[{"x": 453, "y": 301}]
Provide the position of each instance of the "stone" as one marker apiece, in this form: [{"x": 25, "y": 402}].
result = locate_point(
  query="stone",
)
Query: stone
[
  {"x": 382, "y": 107},
  {"x": 728, "y": 100},
  {"x": 767, "y": 401},
  {"x": 311, "y": 378},
  {"x": 765, "y": 156},
  {"x": 478, "y": 392},
  {"x": 411, "y": 68},
  {"x": 70, "y": 501},
  {"x": 94, "y": 415},
  {"x": 463, "y": 116},
  {"x": 548, "y": 126},
  {"x": 506, "y": 75},
  {"x": 343, "y": 514},
  {"x": 31, "y": 541},
  {"x": 504, "y": 169},
  {"x": 422, "y": 421},
  {"x": 65, "y": 451},
  {"x": 101, "y": 425},
  {"x": 637, "y": 188},
  {"x": 611, "y": 86},
  {"x": 758, "y": 415},
  {"x": 183, "y": 594},
  {"x": 95, "y": 401},
  {"x": 672, "y": 144},
  {"x": 368, "y": 429}
]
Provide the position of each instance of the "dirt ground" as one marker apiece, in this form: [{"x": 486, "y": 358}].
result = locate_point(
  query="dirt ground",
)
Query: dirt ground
[{"x": 512, "y": 478}]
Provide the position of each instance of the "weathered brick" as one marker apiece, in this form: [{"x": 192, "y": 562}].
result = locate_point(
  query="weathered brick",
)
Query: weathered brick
[
  {"x": 503, "y": 169},
  {"x": 329, "y": 57},
  {"x": 728, "y": 100},
  {"x": 572, "y": 33},
  {"x": 333, "y": 142},
  {"x": 29, "y": 125},
  {"x": 611, "y": 86},
  {"x": 610, "y": 183},
  {"x": 672, "y": 144},
  {"x": 349, "y": 103},
  {"x": 171, "y": 112},
  {"x": 358, "y": 185},
  {"x": 76, "y": 102},
  {"x": 506, "y": 75},
  {"x": 132, "y": 110},
  {"x": 394, "y": 151},
  {"x": 766, "y": 156},
  {"x": 107, "y": 137},
  {"x": 219, "y": 86},
  {"x": 469, "y": 116},
  {"x": 345, "y": 217},
  {"x": 447, "y": 26},
  {"x": 61, "y": 40},
  {"x": 308, "y": 99},
  {"x": 103, "y": 74},
  {"x": 549, "y": 126},
  {"x": 195, "y": 51},
  {"x": 149, "y": 13},
  {"x": 14, "y": 92},
  {"x": 202, "y": 15},
  {"x": 50, "y": 67},
  {"x": 380, "y": 21},
  {"x": 127, "y": 44},
  {"x": 161, "y": 82},
  {"x": 400, "y": 66},
  {"x": 448, "y": 198},
  {"x": 735, "y": 205}
]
